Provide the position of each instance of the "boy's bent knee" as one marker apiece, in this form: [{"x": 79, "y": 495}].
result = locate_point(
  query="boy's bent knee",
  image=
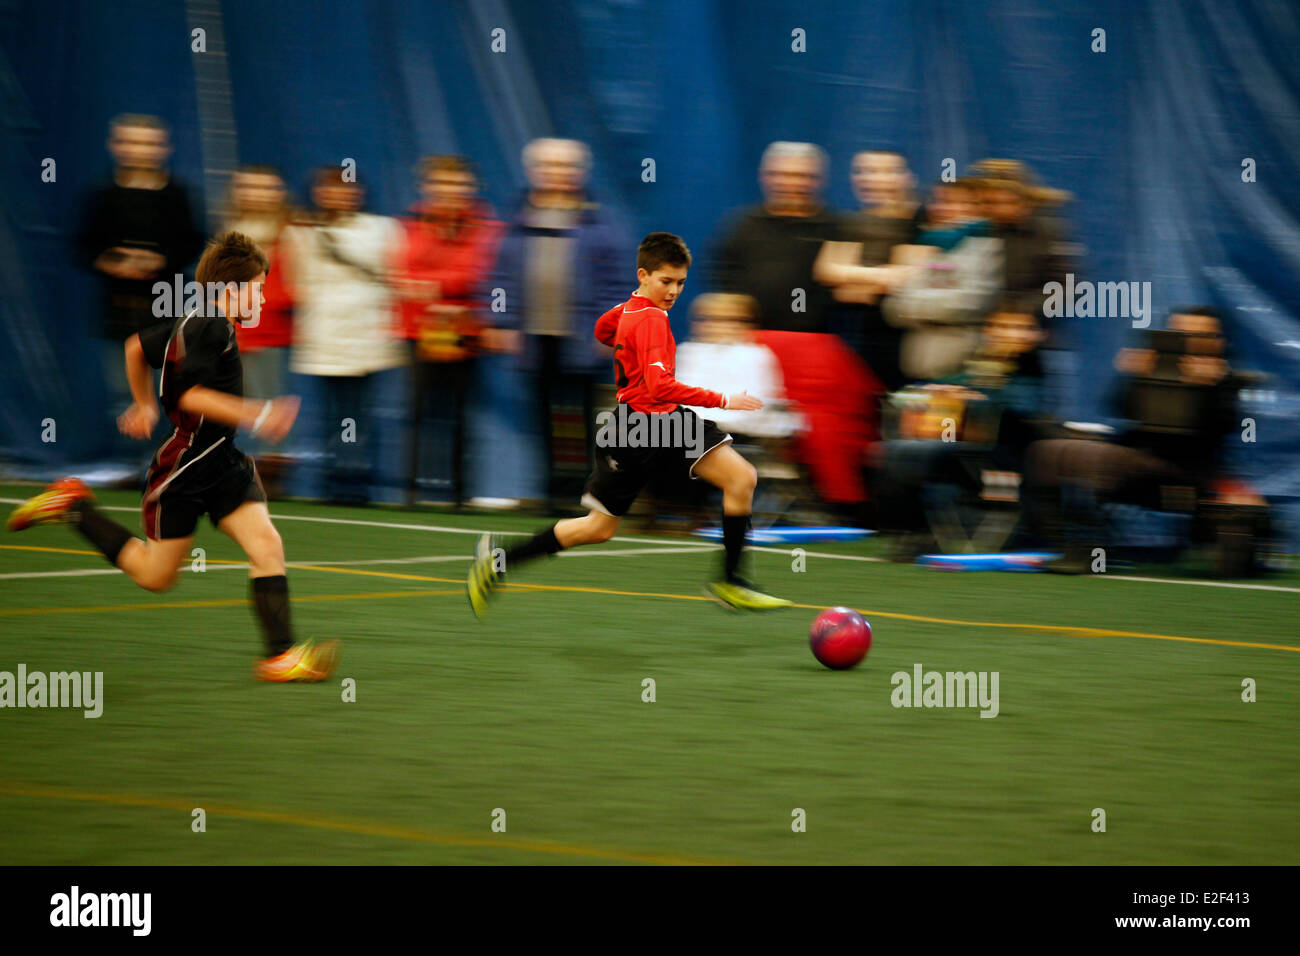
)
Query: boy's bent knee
[
  {"x": 266, "y": 549},
  {"x": 600, "y": 527},
  {"x": 159, "y": 581},
  {"x": 744, "y": 480},
  {"x": 601, "y": 530}
]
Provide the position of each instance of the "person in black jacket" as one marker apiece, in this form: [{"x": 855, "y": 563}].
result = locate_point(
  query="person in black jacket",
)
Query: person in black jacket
[
  {"x": 856, "y": 267},
  {"x": 135, "y": 231},
  {"x": 1036, "y": 247},
  {"x": 769, "y": 249},
  {"x": 1181, "y": 400}
]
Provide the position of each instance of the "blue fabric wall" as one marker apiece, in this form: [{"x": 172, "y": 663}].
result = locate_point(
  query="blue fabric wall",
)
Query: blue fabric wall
[{"x": 1149, "y": 136}]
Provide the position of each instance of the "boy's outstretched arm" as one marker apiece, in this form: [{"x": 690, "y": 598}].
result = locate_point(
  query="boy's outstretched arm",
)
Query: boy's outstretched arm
[
  {"x": 138, "y": 420},
  {"x": 267, "y": 418},
  {"x": 664, "y": 387}
]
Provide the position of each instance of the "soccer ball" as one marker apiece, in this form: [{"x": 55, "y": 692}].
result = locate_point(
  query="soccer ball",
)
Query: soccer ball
[{"x": 840, "y": 637}]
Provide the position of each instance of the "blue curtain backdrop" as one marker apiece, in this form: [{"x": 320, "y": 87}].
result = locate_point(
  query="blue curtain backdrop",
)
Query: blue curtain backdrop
[{"x": 1150, "y": 136}]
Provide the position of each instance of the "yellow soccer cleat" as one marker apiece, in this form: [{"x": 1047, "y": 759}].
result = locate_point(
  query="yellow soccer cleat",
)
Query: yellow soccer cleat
[
  {"x": 306, "y": 662},
  {"x": 741, "y": 595},
  {"x": 483, "y": 576},
  {"x": 51, "y": 505}
]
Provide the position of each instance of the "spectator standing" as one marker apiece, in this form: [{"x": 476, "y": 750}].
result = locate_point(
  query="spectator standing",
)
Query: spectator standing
[
  {"x": 1036, "y": 250},
  {"x": 1035, "y": 242},
  {"x": 346, "y": 351},
  {"x": 768, "y": 250},
  {"x": 451, "y": 243},
  {"x": 258, "y": 207},
  {"x": 562, "y": 262},
  {"x": 952, "y": 285},
  {"x": 857, "y": 267},
  {"x": 137, "y": 230}
]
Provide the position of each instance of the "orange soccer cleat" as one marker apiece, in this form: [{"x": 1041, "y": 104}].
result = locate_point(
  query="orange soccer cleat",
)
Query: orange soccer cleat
[
  {"x": 50, "y": 505},
  {"x": 304, "y": 662}
]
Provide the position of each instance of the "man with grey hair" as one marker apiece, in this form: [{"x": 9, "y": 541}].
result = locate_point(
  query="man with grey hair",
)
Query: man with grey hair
[
  {"x": 559, "y": 266},
  {"x": 768, "y": 250}
]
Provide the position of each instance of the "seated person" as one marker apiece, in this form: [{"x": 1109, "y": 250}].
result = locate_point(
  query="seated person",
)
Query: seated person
[
  {"x": 1180, "y": 395},
  {"x": 1007, "y": 371},
  {"x": 982, "y": 419},
  {"x": 722, "y": 351}
]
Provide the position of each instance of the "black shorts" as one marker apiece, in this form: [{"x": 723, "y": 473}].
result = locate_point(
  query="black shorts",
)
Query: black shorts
[
  {"x": 175, "y": 501},
  {"x": 630, "y": 452}
]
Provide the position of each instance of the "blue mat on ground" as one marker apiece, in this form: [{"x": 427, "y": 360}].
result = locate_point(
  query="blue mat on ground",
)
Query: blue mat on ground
[
  {"x": 791, "y": 535},
  {"x": 1011, "y": 561}
]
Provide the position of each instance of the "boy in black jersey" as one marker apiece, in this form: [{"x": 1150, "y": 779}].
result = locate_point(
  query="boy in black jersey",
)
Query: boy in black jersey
[{"x": 198, "y": 470}]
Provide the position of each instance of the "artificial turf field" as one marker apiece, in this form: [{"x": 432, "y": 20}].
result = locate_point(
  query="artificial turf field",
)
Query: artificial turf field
[{"x": 1119, "y": 694}]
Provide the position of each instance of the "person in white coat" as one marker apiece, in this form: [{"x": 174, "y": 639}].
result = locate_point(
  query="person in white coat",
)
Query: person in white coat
[
  {"x": 723, "y": 352},
  {"x": 952, "y": 282},
  {"x": 347, "y": 357}
]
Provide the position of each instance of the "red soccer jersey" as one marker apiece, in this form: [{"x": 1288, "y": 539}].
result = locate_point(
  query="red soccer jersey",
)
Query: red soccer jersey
[{"x": 645, "y": 359}]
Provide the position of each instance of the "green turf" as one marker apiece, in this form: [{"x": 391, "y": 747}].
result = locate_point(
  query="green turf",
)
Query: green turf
[{"x": 538, "y": 711}]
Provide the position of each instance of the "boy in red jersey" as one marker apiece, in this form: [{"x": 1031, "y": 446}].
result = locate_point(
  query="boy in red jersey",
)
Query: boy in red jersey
[{"x": 650, "y": 432}]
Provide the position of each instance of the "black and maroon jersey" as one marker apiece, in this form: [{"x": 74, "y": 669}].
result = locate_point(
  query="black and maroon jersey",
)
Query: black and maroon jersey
[{"x": 191, "y": 351}]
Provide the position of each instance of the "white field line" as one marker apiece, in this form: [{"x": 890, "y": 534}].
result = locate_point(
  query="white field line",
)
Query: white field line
[
  {"x": 1204, "y": 584},
  {"x": 82, "y": 573},
  {"x": 816, "y": 554},
  {"x": 669, "y": 546}
]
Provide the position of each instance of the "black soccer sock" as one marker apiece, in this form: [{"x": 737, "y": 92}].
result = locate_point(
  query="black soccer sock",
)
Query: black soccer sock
[
  {"x": 734, "y": 530},
  {"x": 271, "y": 605},
  {"x": 539, "y": 545},
  {"x": 101, "y": 531}
]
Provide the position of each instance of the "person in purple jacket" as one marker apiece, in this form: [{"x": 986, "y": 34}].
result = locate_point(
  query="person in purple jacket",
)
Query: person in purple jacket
[{"x": 559, "y": 266}]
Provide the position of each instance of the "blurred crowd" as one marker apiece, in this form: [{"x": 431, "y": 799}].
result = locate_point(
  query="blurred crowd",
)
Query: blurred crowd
[{"x": 902, "y": 347}]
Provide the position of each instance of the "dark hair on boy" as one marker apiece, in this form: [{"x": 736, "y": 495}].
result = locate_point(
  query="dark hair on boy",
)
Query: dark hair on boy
[
  {"x": 662, "y": 248},
  {"x": 231, "y": 257}
]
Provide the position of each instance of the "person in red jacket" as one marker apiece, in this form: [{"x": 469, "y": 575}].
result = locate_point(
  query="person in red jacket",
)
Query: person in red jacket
[
  {"x": 258, "y": 207},
  {"x": 649, "y": 433},
  {"x": 451, "y": 244}
]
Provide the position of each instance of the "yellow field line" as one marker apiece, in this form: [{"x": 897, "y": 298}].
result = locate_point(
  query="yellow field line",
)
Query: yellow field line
[
  {"x": 357, "y": 826},
  {"x": 1068, "y": 630},
  {"x": 1071, "y": 630},
  {"x": 375, "y": 574},
  {"x": 1063, "y": 629},
  {"x": 225, "y": 602},
  {"x": 35, "y": 547}
]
